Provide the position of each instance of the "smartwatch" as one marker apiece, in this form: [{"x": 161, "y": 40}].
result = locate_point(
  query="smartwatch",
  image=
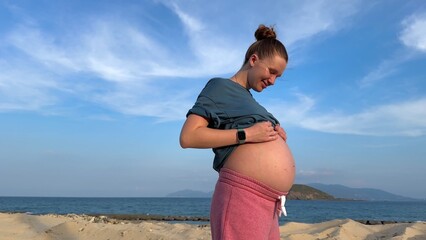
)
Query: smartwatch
[{"x": 241, "y": 136}]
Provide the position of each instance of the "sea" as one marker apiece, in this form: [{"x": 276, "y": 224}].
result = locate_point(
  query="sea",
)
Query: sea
[{"x": 311, "y": 211}]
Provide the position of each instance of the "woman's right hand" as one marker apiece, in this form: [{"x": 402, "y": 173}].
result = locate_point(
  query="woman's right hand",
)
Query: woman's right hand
[{"x": 261, "y": 132}]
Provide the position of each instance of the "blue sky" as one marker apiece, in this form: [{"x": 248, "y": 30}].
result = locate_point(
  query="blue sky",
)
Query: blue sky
[{"x": 93, "y": 93}]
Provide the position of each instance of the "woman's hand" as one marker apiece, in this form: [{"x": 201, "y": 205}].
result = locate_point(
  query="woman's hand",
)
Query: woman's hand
[
  {"x": 261, "y": 132},
  {"x": 281, "y": 132}
]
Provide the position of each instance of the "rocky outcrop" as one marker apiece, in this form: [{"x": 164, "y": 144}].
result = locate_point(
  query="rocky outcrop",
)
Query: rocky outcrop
[{"x": 304, "y": 192}]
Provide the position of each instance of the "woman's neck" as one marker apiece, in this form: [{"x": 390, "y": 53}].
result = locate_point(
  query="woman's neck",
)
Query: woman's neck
[{"x": 241, "y": 78}]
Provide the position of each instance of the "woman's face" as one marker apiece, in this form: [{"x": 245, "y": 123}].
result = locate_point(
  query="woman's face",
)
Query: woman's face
[{"x": 264, "y": 72}]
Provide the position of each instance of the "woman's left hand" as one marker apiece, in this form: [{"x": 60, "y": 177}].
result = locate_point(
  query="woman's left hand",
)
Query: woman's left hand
[{"x": 281, "y": 132}]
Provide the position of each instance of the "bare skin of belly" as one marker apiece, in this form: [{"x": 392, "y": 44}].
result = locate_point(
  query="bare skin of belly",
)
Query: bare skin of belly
[{"x": 270, "y": 163}]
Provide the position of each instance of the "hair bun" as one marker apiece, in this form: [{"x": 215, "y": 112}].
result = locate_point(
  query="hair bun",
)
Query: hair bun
[{"x": 264, "y": 32}]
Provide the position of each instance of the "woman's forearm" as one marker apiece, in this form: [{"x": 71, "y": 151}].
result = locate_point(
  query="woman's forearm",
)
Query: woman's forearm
[
  {"x": 204, "y": 137},
  {"x": 196, "y": 134}
]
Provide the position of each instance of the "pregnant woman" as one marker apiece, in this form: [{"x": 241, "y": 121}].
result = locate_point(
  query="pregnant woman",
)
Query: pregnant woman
[{"x": 255, "y": 165}]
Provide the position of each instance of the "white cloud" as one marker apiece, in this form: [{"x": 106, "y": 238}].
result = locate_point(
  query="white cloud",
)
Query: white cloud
[
  {"x": 41, "y": 47},
  {"x": 414, "y": 33},
  {"x": 292, "y": 112},
  {"x": 406, "y": 118},
  {"x": 223, "y": 47},
  {"x": 117, "y": 51},
  {"x": 214, "y": 54},
  {"x": 25, "y": 89},
  {"x": 413, "y": 36},
  {"x": 385, "y": 69},
  {"x": 108, "y": 53},
  {"x": 399, "y": 119},
  {"x": 107, "y": 49},
  {"x": 192, "y": 24},
  {"x": 120, "y": 58},
  {"x": 130, "y": 100},
  {"x": 307, "y": 19},
  {"x": 129, "y": 60}
]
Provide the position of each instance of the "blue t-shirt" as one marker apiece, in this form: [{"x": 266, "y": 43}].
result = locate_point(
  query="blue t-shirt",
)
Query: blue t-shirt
[{"x": 228, "y": 105}]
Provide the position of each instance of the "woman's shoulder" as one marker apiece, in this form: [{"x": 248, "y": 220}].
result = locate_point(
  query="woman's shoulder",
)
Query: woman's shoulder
[
  {"x": 216, "y": 85},
  {"x": 224, "y": 84},
  {"x": 222, "y": 87},
  {"x": 218, "y": 82}
]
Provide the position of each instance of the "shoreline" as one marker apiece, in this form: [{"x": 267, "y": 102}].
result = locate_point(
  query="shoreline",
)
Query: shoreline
[
  {"x": 136, "y": 218},
  {"x": 79, "y": 226},
  {"x": 180, "y": 218}
]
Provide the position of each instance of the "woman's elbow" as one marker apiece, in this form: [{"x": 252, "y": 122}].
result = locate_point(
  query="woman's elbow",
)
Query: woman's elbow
[{"x": 184, "y": 142}]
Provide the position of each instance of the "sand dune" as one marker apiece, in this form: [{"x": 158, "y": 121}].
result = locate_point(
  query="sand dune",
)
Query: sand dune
[
  {"x": 76, "y": 227},
  {"x": 349, "y": 229}
]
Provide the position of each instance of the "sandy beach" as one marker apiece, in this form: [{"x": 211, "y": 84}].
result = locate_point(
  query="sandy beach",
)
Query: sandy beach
[{"x": 17, "y": 226}]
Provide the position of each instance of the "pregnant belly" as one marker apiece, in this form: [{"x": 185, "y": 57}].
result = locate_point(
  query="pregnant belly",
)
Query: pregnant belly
[{"x": 269, "y": 162}]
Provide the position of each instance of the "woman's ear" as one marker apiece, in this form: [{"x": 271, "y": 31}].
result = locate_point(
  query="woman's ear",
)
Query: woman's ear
[{"x": 253, "y": 58}]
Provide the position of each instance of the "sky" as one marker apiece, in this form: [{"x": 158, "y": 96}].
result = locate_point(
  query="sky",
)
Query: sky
[{"x": 93, "y": 94}]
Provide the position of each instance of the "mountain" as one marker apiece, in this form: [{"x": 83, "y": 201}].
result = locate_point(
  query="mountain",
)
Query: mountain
[
  {"x": 190, "y": 194},
  {"x": 317, "y": 191},
  {"x": 297, "y": 192},
  {"x": 304, "y": 192},
  {"x": 370, "y": 194}
]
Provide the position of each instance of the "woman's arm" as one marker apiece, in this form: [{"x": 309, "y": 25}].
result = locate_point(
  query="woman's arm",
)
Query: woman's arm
[{"x": 196, "y": 134}]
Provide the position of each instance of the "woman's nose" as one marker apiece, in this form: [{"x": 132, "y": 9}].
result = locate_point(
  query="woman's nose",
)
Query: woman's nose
[{"x": 272, "y": 79}]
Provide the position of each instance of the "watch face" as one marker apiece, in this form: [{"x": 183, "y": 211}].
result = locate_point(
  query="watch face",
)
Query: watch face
[{"x": 241, "y": 135}]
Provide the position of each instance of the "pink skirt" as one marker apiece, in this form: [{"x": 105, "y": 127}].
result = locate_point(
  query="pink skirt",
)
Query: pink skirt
[{"x": 243, "y": 208}]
